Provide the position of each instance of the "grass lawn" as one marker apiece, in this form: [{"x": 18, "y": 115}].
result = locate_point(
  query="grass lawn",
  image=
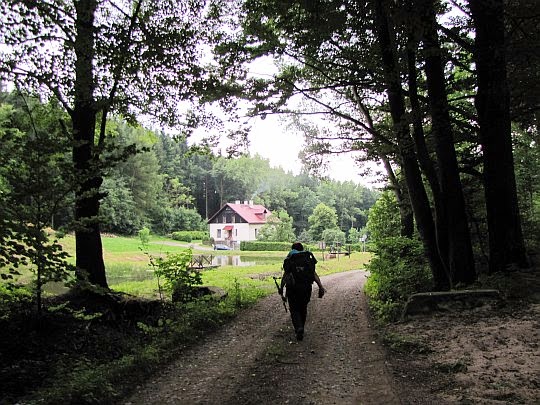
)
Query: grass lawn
[
  {"x": 258, "y": 276},
  {"x": 128, "y": 268}
]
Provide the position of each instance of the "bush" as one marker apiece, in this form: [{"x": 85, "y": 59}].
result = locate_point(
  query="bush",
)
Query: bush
[
  {"x": 144, "y": 235},
  {"x": 269, "y": 246},
  {"x": 14, "y": 300},
  {"x": 183, "y": 236},
  {"x": 265, "y": 246},
  {"x": 166, "y": 220},
  {"x": 355, "y": 247},
  {"x": 332, "y": 236},
  {"x": 189, "y": 236},
  {"x": 179, "y": 278},
  {"x": 383, "y": 218},
  {"x": 398, "y": 269}
]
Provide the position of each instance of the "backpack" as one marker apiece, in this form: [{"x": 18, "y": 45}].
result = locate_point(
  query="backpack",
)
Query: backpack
[{"x": 299, "y": 268}]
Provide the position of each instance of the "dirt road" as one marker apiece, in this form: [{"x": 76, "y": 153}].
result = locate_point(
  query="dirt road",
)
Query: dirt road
[{"x": 256, "y": 360}]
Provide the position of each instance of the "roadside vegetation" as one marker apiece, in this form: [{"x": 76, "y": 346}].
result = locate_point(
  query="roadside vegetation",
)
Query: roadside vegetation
[{"x": 94, "y": 348}]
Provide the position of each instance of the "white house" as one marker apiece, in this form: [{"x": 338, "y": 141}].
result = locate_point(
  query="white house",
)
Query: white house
[{"x": 237, "y": 222}]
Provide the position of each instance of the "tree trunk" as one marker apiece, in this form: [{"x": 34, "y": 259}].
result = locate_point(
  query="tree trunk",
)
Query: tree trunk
[
  {"x": 506, "y": 245},
  {"x": 89, "y": 252},
  {"x": 426, "y": 164},
  {"x": 417, "y": 192},
  {"x": 460, "y": 254},
  {"x": 406, "y": 217}
]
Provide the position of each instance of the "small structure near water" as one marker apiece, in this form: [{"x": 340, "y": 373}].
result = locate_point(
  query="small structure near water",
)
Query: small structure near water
[{"x": 201, "y": 262}]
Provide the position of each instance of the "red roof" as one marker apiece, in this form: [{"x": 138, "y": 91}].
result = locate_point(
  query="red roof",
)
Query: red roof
[
  {"x": 228, "y": 228},
  {"x": 253, "y": 214}
]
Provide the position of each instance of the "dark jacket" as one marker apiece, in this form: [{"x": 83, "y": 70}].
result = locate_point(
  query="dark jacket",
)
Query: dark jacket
[{"x": 299, "y": 269}]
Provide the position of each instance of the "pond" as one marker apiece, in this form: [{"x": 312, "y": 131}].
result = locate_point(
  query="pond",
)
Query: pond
[{"x": 241, "y": 261}]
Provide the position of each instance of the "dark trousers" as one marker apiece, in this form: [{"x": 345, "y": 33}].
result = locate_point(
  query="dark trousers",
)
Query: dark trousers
[{"x": 298, "y": 298}]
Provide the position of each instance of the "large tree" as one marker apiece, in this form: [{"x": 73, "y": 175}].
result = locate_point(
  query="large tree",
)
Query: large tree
[
  {"x": 506, "y": 245},
  {"x": 385, "y": 32},
  {"x": 99, "y": 58},
  {"x": 459, "y": 255},
  {"x": 341, "y": 57}
]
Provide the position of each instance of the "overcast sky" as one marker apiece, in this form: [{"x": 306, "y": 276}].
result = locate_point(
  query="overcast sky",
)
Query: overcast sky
[{"x": 272, "y": 140}]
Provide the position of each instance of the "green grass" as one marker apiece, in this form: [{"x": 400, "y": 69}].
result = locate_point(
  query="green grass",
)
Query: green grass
[
  {"x": 128, "y": 268},
  {"x": 249, "y": 277}
]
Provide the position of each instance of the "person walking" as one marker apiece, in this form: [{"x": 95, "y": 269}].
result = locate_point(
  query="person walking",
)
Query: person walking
[{"x": 298, "y": 276}]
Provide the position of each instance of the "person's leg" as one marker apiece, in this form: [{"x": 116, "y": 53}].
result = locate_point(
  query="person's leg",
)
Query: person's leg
[
  {"x": 306, "y": 297},
  {"x": 295, "y": 307}
]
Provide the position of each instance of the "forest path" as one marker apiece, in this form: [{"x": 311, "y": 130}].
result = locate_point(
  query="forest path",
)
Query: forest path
[{"x": 256, "y": 360}]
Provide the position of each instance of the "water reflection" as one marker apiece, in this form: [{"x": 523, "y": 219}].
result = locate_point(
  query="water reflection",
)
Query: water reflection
[{"x": 233, "y": 261}]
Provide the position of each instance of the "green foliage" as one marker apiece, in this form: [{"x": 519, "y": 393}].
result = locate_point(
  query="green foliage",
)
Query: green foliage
[
  {"x": 527, "y": 158},
  {"x": 354, "y": 235},
  {"x": 35, "y": 163},
  {"x": 333, "y": 236},
  {"x": 355, "y": 247},
  {"x": 183, "y": 236},
  {"x": 383, "y": 218},
  {"x": 14, "y": 300},
  {"x": 189, "y": 236},
  {"x": 167, "y": 219},
  {"x": 323, "y": 218},
  {"x": 144, "y": 236},
  {"x": 397, "y": 270},
  {"x": 278, "y": 228},
  {"x": 265, "y": 246},
  {"x": 237, "y": 293},
  {"x": 179, "y": 278},
  {"x": 118, "y": 211}
]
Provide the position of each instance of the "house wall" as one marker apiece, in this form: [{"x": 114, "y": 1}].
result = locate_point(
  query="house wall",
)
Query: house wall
[{"x": 240, "y": 232}]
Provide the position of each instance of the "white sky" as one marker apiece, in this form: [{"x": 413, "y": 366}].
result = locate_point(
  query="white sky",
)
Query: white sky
[{"x": 270, "y": 139}]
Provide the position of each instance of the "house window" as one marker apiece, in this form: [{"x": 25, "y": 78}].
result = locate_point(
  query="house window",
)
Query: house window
[
  {"x": 224, "y": 219},
  {"x": 236, "y": 232},
  {"x": 256, "y": 232},
  {"x": 219, "y": 233}
]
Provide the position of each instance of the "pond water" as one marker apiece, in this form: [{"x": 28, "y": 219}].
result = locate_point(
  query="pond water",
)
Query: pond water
[{"x": 241, "y": 261}]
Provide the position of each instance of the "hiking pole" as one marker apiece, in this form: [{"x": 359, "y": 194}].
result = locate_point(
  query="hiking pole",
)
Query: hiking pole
[{"x": 280, "y": 292}]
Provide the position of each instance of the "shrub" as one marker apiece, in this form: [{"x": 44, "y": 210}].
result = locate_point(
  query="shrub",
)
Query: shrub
[
  {"x": 269, "y": 246},
  {"x": 144, "y": 235},
  {"x": 383, "y": 218},
  {"x": 355, "y": 247},
  {"x": 14, "y": 300},
  {"x": 333, "y": 236},
  {"x": 189, "y": 236},
  {"x": 398, "y": 269},
  {"x": 183, "y": 236},
  {"x": 265, "y": 246},
  {"x": 179, "y": 278}
]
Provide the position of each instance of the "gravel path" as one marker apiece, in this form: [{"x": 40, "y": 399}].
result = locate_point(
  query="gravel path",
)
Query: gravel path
[{"x": 256, "y": 360}]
